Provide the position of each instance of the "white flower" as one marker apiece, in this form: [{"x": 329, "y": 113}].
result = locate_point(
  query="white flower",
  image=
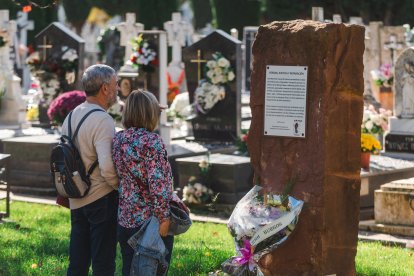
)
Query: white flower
[
  {"x": 70, "y": 55},
  {"x": 369, "y": 125},
  {"x": 211, "y": 64},
  {"x": 217, "y": 71},
  {"x": 198, "y": 186},
  {"x": 375, "y": 118},
  {"x": 210, "y": 74},
  {"x": 230, "y": 76},
  {"x": 223, "y": 62},
  {"x": 217, "y": 79}
]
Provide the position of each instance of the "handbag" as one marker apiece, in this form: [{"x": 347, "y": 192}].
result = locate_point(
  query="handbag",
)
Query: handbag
[{"x": 180, "y": 220}]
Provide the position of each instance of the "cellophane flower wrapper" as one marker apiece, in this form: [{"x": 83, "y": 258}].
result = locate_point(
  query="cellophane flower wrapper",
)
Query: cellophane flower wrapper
[{"x": 259, "y": 227}]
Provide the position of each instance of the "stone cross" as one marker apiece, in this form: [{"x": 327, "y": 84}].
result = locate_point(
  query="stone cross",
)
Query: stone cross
[
  {"x": 199, "y": 61},
  {"x": 317, "y": 14},
  {"x": 336, "y": 18},
  {"x": 45, "y": 46},
  {"x": 24, "y": 25},
  {"x": 393, "y": 45},
  {"x": 176, "y": 31},
  {"x": 8, "y": 28},
  {"x": 129, "y": 29}
]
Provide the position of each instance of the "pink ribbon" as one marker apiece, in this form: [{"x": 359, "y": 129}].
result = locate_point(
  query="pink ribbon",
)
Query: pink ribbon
[{"x": 247, "y": 255}]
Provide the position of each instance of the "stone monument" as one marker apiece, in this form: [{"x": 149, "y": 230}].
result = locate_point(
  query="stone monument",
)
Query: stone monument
[
  {"x": 325, "y": 161},
  {"x": 399, "y": 142}
]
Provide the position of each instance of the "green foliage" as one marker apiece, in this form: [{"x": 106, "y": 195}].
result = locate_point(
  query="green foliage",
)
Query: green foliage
[
  {"x": 230, "y": 14},
  {"x": 155, "y": 12},
  {"x": 202, "y": 13}
]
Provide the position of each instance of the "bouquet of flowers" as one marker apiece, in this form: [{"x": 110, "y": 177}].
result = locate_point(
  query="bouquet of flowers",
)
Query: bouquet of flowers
[
  {"x": 180, "y": 107},
  {"x": 207, "y": 95},
  {"x": 259, "y": 224},
  {"x": 211, "y": 90},
  {"x": 369, "y": 143},
  {"x": 63, "y": 104},
  {"x": 196, "y": 193},
  {"x": 383, "y": 76},
  {"x": 375, "y": 122},
  {"x": 218, "y": 70},
  {"x": 56, "y": 69},
  {"x": 144, "y": 54}
]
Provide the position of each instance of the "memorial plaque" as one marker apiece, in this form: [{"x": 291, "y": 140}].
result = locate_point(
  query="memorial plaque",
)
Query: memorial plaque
[
  {"x": 399, "y": 143},
  {"x": 285, "y": 101}
]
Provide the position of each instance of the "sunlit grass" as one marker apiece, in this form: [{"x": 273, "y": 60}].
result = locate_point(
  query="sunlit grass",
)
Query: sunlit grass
[{"x": 36, "y": 241}]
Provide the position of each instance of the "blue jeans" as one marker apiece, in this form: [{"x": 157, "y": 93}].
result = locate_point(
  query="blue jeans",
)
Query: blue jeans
[
  {"x": 93, "y": 237},
  {"x": 128, "y": 252}
]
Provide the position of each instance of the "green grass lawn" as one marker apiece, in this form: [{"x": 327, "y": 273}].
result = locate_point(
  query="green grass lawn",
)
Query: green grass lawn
[{"x": 36, "y": 243}]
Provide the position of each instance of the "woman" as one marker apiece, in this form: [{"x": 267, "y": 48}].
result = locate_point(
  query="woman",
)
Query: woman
[{"x": 141, "y": 161}]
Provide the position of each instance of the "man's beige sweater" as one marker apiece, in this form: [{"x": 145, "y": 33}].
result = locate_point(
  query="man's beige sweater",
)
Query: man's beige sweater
[{"x": 94, "y": 141}]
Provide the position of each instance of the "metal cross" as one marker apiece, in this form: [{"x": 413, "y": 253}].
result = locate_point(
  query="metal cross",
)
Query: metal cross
[
  {"x": 45, "y": 46},
  {"x": 198, "y": 61}
]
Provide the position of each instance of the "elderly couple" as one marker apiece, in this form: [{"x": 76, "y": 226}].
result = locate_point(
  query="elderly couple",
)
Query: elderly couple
[{"x": 116, "y": 207}]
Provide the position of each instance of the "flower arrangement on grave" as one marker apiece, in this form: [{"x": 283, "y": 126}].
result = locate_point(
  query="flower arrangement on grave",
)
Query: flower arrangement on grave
[
  {"x": 180, "y": 107},
  {"x": 32, "y": 113},
  {"x": 369, "y": 143},
  {"x": 383, "y": 76},
  {"x": 241, "y": 142},
  {"x": 375, "y": 122},
  {"x": 116, "y": 110},
  {"x": 63, "y": 104},
  {"x": 260, "y": 223},
  {"x": 52, "y": 72},
  {"x": 174, "y": 87},
  {"x": 211, "y": 89},
  {"x": 197, "y": 190},
  {"x": 144, "y": 55}
]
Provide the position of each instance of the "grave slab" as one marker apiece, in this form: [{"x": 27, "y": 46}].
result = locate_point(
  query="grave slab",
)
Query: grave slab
[
  {"x": 394, "y": 203},
  {"x": 231, "y": 175},
  {"x": 29, "y": 165}
]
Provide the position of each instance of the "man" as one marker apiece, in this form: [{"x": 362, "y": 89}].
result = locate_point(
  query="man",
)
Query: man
[{"x": 94, "y": 217}]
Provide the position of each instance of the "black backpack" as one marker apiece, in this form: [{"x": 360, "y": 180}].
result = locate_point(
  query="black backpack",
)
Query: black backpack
[{"x": 66, "y": 167}]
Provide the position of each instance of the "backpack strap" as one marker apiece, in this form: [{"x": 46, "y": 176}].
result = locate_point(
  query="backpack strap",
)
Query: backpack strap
[
  {"x": 96, "y": 162},
  {"x": 80, "y": 123}
]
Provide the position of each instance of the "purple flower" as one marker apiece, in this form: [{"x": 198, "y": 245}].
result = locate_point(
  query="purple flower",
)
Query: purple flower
[{"x": 63, "y": 104}]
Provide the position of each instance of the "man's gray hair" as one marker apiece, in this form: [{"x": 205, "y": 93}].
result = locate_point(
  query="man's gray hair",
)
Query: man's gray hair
[{"x": 95, "y": 76}]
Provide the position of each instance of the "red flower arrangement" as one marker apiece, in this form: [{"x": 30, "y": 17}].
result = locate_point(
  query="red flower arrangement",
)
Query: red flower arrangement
[{"x": 63, "y": 104}]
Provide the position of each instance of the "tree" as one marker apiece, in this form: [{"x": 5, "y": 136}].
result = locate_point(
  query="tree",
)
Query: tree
[
  {"x": 77, "y": 12},
  {"x": 237, "y": 14}
]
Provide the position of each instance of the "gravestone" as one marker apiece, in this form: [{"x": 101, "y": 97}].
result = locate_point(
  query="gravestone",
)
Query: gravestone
[
  {"x": 111, "y": 53},
  {"x": 12, "y": 107},
  {"x": 249, "y": 34},
  {"x": 176, "y": 33},
  {"x": 30, "y": 165},
  {"x": 400, "y": 138},
  {"x": 222, "y": 122},
  {"x": 231, "y": 176},
  {"x": 326, "y": 161}
]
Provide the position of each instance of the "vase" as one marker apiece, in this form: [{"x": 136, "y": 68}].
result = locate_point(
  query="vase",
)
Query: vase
[
  {"x": 386, "y": 97},
  {"x": 365, "y": 160}
]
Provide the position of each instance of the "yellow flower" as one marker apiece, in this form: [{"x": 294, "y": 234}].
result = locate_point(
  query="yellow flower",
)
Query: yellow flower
[
  {"x": 32, "y": 114},
  {"x": 369, "y": 143},
  {"x": 34, "y": 266},
  {"x": 207, "y": 254}
]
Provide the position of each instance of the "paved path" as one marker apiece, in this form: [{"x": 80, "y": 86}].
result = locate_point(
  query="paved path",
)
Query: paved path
[{"x": 362, "y": 235}]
